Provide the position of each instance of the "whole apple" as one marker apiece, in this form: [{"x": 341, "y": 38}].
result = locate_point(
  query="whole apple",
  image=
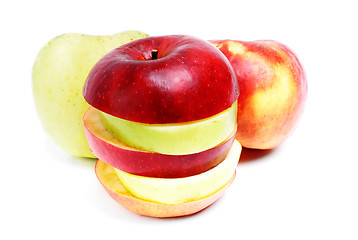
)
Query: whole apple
[
  {"x": 273, "y": 90},
  {"x": 59, "y": 73}
]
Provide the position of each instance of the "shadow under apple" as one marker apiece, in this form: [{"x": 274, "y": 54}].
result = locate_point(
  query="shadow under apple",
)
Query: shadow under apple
[{"x": 249, "y": 155}]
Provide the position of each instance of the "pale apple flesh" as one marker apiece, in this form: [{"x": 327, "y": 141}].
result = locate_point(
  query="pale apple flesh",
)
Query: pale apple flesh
[
  {"x": 137, "y": 161},
  {"x": 180, "y": 190},
  {"x": 176, "y": 138},
  {"x": 273, "y": 90},
  {"x": 59, "y": 73},
  {"x": 113, "y": 186}
]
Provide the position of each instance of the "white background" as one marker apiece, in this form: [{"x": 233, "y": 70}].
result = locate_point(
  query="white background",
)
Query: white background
[{"x": 305, "y": 189}]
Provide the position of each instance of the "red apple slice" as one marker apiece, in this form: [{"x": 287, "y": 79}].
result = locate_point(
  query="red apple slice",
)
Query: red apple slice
[
  {"x": 111, "y": 183},
  {"x": 188, "y": 80},
  {"x": 135, "y": 161}
]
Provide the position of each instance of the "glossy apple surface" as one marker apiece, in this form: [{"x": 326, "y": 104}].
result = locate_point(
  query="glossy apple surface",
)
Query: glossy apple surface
[
  {"x": 150, "y": 164},
  {"x": 174, "y": 138},
  {"x": 59, "y": 73},
  {"x": 273, "y": 90},
  {"x": 180, "y": 190},
  {"x": 190, "y": 80},
  {"x": 113, "y": 186}
]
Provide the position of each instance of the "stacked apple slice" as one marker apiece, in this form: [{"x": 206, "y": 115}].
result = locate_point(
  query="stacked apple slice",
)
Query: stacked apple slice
[{"x": 163, "y": 124}]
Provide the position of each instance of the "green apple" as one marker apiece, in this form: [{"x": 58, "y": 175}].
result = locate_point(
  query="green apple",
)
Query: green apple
[
  {"x": 174, "y": 138},
  {"x": 59, "y": 73},
  {"x": 180, "y": 190}
]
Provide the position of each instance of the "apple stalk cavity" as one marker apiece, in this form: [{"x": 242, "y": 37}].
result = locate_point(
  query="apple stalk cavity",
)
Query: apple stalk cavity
[{"x": 154, "y": 54}]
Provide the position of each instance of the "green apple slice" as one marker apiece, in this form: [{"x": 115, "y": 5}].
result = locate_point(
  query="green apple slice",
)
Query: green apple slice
[
  {"x": 176, "y": 138},
  {"x": 180, "y": 190}
]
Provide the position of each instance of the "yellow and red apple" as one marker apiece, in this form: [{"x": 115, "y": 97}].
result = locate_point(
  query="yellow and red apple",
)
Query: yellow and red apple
[
  {"x": 164, "y": 122},
  {"x": 273, "y": 90}
]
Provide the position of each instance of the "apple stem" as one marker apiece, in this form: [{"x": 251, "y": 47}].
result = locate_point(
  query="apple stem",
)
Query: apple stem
[{"x": 154, "y": 54}]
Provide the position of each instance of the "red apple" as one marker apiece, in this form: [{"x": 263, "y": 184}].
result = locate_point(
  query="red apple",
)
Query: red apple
[
  {"x": 273, "y": 90},
  {"x": 111, "y": 183},
  {"x": 139, "y": 162},
  {"x": 189, "y": 80}
]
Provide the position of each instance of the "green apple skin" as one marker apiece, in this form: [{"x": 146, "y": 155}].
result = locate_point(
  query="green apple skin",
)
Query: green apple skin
[
  {"x": 176, "y": 138},
  {"x": 59, "y": 73}
]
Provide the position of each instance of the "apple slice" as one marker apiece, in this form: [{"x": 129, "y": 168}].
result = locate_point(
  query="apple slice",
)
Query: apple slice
[
  {"x": 139, "y": 162},
  {"x": 113, "y": 186},
  {"x": 188, "y": 80},
  {"x": 180, "y": 190},
  {"x": 175, "y": 138}
]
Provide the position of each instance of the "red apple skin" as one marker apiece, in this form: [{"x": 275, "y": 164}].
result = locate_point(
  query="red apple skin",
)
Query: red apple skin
[
  {"x": 273, "y": 90},
  {"x": 150, "y": 164},
  {"x": 115, "y": 189},
  {"x": 190, "y": 80}
]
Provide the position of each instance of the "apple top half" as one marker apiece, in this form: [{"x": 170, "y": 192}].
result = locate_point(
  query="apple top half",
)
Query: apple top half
[{"x": 188, "y": 80}]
